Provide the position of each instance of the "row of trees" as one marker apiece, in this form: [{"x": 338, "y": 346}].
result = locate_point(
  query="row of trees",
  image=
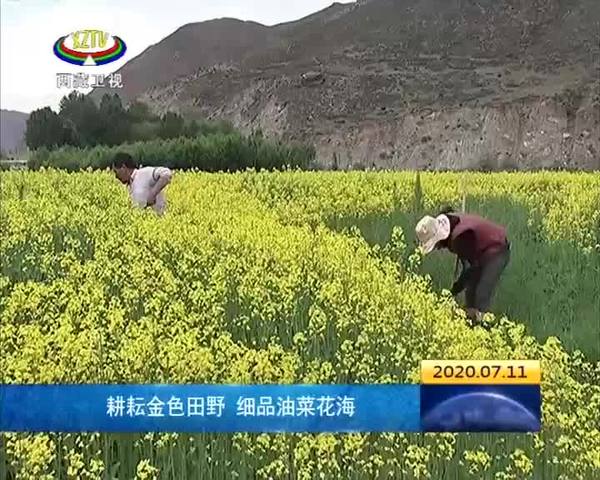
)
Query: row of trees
[
  {"x": 81, "y": 122},
  {"x": 212, "y": 152}
]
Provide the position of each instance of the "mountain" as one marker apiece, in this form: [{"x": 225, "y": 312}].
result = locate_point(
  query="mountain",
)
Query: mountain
[
  {"x": 444, "y": 84},
  {"x": 189, "y": 48},
  {"x": 12, "y": 131}
]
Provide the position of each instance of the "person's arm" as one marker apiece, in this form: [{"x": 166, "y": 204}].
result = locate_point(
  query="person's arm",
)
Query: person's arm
[
  {"x": 162, "y": 176},
  {"x": 460, "y": 284},
  {"x": 462, "y": 245}
]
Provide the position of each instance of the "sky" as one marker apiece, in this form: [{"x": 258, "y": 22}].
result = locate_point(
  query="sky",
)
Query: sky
[{"x": 29, "y": 28}]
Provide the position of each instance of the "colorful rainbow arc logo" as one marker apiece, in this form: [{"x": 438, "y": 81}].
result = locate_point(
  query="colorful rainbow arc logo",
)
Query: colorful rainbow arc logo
[{"x": 99, "y": 58}]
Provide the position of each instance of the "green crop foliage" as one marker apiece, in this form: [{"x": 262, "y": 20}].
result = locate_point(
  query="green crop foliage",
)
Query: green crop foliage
[{"x": 289, "y": 277}]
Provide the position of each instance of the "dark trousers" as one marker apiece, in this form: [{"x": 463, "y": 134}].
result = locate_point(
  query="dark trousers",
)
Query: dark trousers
[{"x": 481, "y": 286}]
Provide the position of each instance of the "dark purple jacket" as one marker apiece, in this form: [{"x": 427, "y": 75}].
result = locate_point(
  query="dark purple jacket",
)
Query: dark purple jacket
[{"x": 473, "y": 238}]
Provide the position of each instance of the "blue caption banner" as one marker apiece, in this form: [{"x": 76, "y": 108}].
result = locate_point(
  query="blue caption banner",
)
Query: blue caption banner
[{"x": 210, "y": 408}]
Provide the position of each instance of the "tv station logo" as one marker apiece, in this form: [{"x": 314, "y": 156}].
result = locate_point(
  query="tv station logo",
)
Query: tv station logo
[
  {"x": 89, "y": 48},
  {"x": 84, "y": 81}
]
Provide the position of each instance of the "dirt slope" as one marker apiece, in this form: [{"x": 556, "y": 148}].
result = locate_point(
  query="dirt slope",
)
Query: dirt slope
[
  {"x": 189, "y": 48},
  {"x": 12, "y": 131},
  {"x": 398, "y": 83}
]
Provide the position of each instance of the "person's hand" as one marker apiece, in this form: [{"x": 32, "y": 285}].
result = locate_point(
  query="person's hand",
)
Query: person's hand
[{"x": 475, "y": 316}]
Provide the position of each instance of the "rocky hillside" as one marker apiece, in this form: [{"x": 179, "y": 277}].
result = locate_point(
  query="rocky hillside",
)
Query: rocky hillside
[
  {"x": 398, "y": 83},
  {"x": 12, "y": 132}
]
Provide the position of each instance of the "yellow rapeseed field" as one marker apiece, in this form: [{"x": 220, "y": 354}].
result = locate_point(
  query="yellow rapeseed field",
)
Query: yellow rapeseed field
[{"x": 254, "y": 278}]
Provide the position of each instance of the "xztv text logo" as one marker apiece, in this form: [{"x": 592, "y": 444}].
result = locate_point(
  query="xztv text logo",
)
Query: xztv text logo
[{"x": 89, "y": 48}]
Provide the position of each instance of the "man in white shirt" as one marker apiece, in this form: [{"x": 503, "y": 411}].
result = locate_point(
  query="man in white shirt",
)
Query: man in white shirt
[{"x": 145, "y": 184}]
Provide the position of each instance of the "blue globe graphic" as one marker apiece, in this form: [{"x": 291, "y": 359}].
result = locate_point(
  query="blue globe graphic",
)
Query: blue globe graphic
[{"x": 479, "y": 412}]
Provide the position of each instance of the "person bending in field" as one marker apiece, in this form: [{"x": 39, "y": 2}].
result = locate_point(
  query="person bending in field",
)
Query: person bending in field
[
  {"x": 145, "y": 184},
  {"x": 482, "y": 248}
]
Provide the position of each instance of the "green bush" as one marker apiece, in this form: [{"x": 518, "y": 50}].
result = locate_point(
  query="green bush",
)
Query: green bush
[{"x": 212, "y": 152}]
